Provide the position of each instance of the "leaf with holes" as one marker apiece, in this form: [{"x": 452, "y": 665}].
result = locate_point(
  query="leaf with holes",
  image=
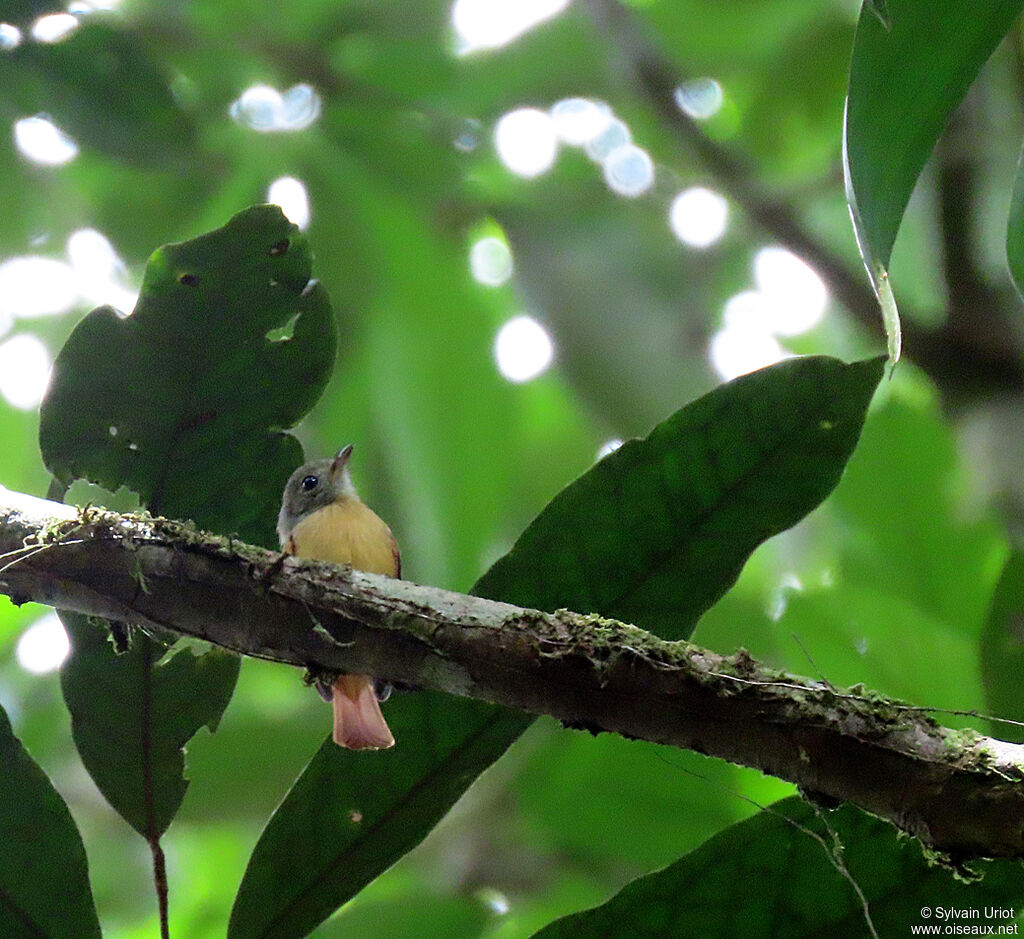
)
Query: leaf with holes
[
  {"x": 184, "y": 402},
  {"x": 44, "y": 877},
  {"x": 653, "y": 534}
]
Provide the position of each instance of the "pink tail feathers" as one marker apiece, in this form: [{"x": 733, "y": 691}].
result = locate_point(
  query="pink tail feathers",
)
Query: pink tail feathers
[{"x": 358, "y": 721}]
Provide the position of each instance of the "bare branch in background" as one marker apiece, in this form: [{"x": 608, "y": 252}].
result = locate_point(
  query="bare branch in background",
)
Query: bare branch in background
[{"x": 964, "y": 363}]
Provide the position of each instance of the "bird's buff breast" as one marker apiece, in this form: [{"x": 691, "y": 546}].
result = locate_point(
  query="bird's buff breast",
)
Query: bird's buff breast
[{"x": 346, "y": 532}]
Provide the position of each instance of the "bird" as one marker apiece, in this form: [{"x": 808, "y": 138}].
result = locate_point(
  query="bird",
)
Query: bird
[{"x": 323, "y": 518}]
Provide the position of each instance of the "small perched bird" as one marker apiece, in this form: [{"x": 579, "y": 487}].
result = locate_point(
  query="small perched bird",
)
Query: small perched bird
[{"x": 322, "y": 517}]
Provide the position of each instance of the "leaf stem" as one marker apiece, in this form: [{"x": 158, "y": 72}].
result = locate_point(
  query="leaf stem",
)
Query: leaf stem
[
  {"x": 160, "y": 882},
  {"x": 152, "y": 835}
]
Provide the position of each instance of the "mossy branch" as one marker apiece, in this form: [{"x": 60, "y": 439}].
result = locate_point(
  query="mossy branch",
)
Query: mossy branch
[{"x": 960, "y": 794}]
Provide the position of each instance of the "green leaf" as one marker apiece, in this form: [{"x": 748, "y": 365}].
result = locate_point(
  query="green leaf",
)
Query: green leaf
[
  {"x": 1015, "y": 229},
  {"x": 658, "y": 531},
  {"x": 776, "y": 875},
  {"x": 44, "y": 877},
  {"x": 131, "y": 716},
  {"x": 350, "y": 815},
  {"x": 100, "y": 86},
  {"x": 184, "y": 400},
  {"x": 731, "y": 469},
  {"x": 905, "y": 82},
  {"x": 1002, "y": 650}
]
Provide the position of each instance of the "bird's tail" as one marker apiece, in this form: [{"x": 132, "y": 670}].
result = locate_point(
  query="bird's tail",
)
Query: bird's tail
[{"x": 358, "y": 721}]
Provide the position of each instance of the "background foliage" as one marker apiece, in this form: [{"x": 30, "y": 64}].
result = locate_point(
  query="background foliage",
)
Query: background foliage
[{"x": 889, "y": 583}]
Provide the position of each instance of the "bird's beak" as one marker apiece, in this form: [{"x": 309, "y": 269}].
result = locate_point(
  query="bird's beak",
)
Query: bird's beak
[{"x": 341, "y": 460}]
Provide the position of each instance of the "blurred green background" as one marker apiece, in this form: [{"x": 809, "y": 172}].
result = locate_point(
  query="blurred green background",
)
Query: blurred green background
[{"x": 530, "y": 258}]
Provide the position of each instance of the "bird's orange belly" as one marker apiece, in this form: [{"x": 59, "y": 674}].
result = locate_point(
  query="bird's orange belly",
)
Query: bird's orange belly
[{"x": 347, "y": 532}]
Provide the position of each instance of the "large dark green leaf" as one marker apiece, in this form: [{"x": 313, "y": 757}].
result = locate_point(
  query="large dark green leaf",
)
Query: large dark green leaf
[
  {"x": 659, "y": 530},
  {"x": 904, "y": 83},
  {"x": 664, "y": 526},
  {"x": 100, "y": 86},
  {"x": 44, "y": 877},
  {"x": 350, "y": 815},
  {"x": 776, "y": 875},
  {"x": 184, "y": 400},
  {"x": 131, "y": 716}
]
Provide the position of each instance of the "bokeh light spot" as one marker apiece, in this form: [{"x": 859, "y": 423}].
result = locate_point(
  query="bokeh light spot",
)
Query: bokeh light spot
[
  {"x": 54, "y": 27},
  {"x": 614, "y": 135},
  {"x": 526, "y": 141},
  {"x": 268, "y": 110},
  {"x": 24, "y": 371},
  {"x": 735, "y": 352},
  {"x": 33, "y": 286},
  {"x": 290, "y": 194},
  {"x": 795, "y": 296},
  {"x": 698, "y": 217},
  {"x": 98, "y": 271},
  {"x": 523, "y": 349},
  {"x": 745, "y": 342},
  {"x": 490, "y": 261},
  {"x": 43, "y": 142},
  {"x": 43, "y": 646},
  {"x": 629, "y": 171},
  {"x": 10, "y": 37},
  {"x": 490, "y": 24},
  {"x": 580, "y": 120},
  {"x": 701, "y": 98}
]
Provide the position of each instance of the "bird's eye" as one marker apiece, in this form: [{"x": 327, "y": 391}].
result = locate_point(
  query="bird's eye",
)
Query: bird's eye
[{"x": 309, "y": 483}]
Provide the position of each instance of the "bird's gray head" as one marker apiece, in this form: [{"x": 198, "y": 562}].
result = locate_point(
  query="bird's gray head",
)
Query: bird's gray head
[{"x": 311, "y": 487}]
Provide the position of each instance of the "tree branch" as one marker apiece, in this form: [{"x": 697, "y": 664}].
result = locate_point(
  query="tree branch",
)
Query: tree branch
[
  {"x": 964, "y": 363},
  {"x": 959, "y": 792}
]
